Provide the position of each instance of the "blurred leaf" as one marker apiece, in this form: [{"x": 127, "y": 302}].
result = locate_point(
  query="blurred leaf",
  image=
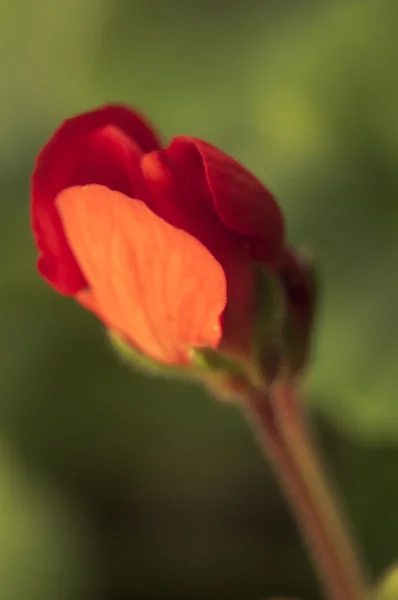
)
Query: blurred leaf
[
  {"x": 44, "y": 548},
  {"x": 387, "y": 589},
  {"x": 326, "y": 116}
]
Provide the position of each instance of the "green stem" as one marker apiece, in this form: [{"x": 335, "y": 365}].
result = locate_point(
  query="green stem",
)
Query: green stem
[{"x": 284, "y": 436}]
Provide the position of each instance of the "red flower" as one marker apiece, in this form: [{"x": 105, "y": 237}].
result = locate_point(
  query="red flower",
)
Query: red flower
[{"x": 159, "y": 244}]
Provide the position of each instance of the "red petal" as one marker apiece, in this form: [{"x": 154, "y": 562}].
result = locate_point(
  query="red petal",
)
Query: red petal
[
  {"x": 242, "y": 202},
  {"x": 151, "y": 281},
  {"x": 102, "y": 146},
  {"x": 109, "y": 157}
]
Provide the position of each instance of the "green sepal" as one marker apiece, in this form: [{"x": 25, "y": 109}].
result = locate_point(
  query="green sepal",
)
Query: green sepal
[
  {"x": 268, "y": 324},
  {"x": 135, "y": 359},
  {"x": 213, "y": 361},
  {"x": 225, "y": 376}
]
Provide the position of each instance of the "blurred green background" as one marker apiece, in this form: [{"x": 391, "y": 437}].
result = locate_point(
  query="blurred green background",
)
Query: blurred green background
[{"x": 114, "y": 486}]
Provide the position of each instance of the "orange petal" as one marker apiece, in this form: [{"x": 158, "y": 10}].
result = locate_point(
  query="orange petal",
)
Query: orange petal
[{"x": 156, "y": 284}]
